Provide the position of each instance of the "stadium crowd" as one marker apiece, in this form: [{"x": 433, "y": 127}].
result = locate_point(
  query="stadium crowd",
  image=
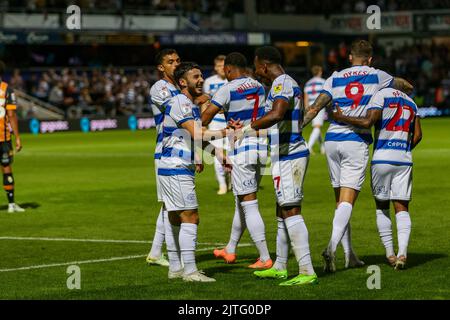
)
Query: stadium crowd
[
  {"x": 114, "y": 91},
  {"x": 110, "y": 92},
  {"x": 232, "y": 6}
]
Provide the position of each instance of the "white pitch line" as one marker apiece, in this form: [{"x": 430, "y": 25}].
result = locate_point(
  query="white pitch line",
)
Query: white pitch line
[
  {"x": 43, "y": 266},
  {"x": 95, "y": 240}
]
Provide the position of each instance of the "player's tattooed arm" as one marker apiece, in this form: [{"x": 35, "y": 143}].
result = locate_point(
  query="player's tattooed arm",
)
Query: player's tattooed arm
[
  {"x": 311, "y": 112},
  {"x": 209, "y": 113},
  {"x": 402, "y": 85},
  {"x": 417, "y": 135},
  {"x": 372, "y": 116},
  {"x": 15, "y": 128}
]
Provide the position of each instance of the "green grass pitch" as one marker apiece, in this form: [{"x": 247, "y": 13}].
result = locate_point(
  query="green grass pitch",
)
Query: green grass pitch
[{"x": 102, "y": 186}]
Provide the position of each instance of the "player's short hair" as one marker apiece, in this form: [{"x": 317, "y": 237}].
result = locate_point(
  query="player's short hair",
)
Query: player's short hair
[
  {"x": 219, "y": 58},
  {"x": 361, "y": 48},
  {"x": 2, "y": 68},
  {"x": 315, "y": 70},
  {"x": 269, "y": 54},
  {"x": 236, "y": 59},
  {"x": 161, "y": 54},
  {"x": 182, "y": 68}
]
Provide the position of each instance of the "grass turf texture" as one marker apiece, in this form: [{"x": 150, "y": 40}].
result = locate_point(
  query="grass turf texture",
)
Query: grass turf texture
[{"x": 102, "y": 186}]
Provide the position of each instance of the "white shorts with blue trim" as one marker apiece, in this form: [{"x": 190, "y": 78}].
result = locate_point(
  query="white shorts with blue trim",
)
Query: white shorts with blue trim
[
  {"x": 391, "y": 182},
  {"x": 246, "y": 171},
  {"x": 288, "y": 174},
  {"x": 178, "y": 189},
  {"x": 347, "y": 163},
  {"x": 219, "y": 123},
  {"x": 158, "y": 187}
]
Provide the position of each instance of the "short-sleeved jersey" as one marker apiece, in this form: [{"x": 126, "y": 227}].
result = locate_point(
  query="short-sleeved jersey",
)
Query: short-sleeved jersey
[
  {"x": 352, "y": 89},
  {"x": 177, "y": 155},
  {"x": 393, "y": 133},
  {"x": 243, "y": 99},
  {"x": 286, "y": 140},
  {"x": 160, "y": 94},
  {"x": 313, "y": 87},
  {"x": 7, "y": 102},
  {"x": 210, "y": 87}
]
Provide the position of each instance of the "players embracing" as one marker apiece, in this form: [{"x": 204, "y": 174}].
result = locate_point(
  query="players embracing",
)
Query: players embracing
[{"x": 346, "y": 145}]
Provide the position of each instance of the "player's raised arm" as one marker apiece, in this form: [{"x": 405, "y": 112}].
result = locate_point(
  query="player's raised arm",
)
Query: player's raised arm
[
  {"x": 417, "y": 136},
  {"x": 372, "y": 116},
  {"x": 209, "y": 113},
  {"x": 311, "y": 111},
  {"x": 402, "y": 85}
]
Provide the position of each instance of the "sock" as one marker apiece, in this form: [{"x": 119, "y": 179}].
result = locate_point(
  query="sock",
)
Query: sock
[
  {"x": 341, "y": 219},
  {"x": 384, "y": 225},
  {"x": 173, "y": 248},
  {"x": 8, "y": 186},
  {"x": 282, "y": 246},
  {"x": 237, "y": 228},
  {"x": 188, "y": 243},
  {"x": 403, "y": 231},
  {"x": 256, "y": 228},
  {"x": 347, "y": 241},
  {"x": 220, "y": 173},
  {"x": 315, "y": 134},
  {"x": 158, "y": 239},
  {"x": 298, "y": 233}
]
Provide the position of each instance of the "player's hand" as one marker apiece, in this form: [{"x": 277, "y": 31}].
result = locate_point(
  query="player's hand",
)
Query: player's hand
[
  {"x": 337, "y": 112},
  {"x": 18, "y": 144},
  {"x": 199, "y": 167},
  {"x": 235, "y": 124}
]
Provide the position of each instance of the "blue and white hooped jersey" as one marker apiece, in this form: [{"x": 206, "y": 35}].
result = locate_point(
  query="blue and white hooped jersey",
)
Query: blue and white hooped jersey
[
  {"x": 352, "y": 89},
  {"x": 243, "y": 99},
  {"x": 393, "y": 134},
  {"x": 313, "y": 87},
  {"x": 177, "y": 156},
  {"x": 286, "y": 140},
  {"x": 160, "y": 93},
  {"x": 210, "y": 87}
]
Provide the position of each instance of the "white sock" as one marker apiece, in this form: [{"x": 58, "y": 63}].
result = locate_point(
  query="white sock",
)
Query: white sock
[
  {"x": 403, "y": 231},
  {"x": 173, "y": 248},
  {"x": 341, "y": 219},
  {"x": 315, "y": 134},
  {"x": 256, "y": 228},
  {"x": 158, "y": 239},
  {"x": 237, "y": 228},
  {"x": 384, "y": 225},
  {"x": 188, "y": 243},
  {"x": 220, "y": 173},
  {"x": 282, "y": 246},
  {"x": 298, "y": 233},
  {"x": 347, "y": 241}
]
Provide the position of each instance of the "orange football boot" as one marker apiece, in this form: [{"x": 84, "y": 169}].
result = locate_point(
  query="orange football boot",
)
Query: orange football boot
[
  {"x": 222, "y": 253},
  {"x": 261, "y": 265}
]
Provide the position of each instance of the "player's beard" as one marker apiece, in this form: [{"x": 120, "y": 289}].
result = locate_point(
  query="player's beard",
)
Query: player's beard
[{"x": 195, "y": 91}]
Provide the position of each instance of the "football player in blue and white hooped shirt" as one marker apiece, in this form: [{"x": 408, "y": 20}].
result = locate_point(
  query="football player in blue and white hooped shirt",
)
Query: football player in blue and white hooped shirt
[
  {"x": 289, "y": 155},
  {"x": 397, "y": 132},
  {"x": 182, "y": 131},
  {"x": 160, "y": 94},
  {"x": 210, "y": 87},
  {"x": 313, "y": 87},
  {"x": 346, "y": 146},
  {"x": 243, "y": 98}
]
